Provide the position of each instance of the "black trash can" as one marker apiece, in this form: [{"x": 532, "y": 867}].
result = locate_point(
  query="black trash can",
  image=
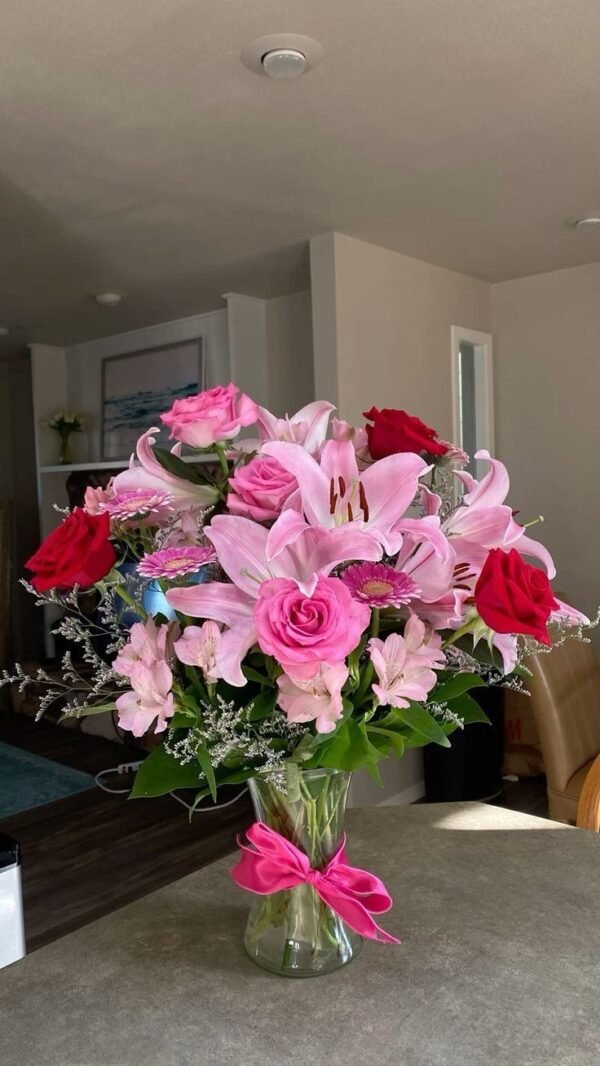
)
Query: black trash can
[{"x": 472, "y": 768}]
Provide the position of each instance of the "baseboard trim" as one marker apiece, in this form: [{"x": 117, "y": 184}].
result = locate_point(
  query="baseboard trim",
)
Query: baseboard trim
[{"x": 408, "y": 795}]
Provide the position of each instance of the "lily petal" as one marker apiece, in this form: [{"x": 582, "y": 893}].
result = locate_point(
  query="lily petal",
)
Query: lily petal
[
  {"x": 241, "y": 547},
  {"x": 231, "y": 649},
  {"x": 214, "y": 600},
  {"x": 390, "y": 486},
  {"x": 493, "y": 488},
  {"x": 313, "y": 482}
]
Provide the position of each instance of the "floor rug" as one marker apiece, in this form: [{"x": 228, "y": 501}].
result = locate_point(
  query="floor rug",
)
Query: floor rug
[{"x": 28, "y": 780}]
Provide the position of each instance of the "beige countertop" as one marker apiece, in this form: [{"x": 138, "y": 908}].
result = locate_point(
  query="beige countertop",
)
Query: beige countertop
[{"x": 499, "y": 966}]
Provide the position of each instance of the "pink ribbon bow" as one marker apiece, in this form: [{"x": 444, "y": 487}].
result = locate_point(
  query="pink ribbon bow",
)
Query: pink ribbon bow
[{"x": 273, "y": 864}]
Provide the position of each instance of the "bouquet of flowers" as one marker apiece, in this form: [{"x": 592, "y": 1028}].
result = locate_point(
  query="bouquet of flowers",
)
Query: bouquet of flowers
[
  {"x": 323, "y": 596},
  {"x": 65, "y": 423}
]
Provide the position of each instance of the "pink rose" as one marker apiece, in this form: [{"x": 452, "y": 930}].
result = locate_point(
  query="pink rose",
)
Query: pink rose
[
  {"x": 215, "y": 415},
  {"x": 295, "y": 628},
  {"x": 260, "y": 489}
]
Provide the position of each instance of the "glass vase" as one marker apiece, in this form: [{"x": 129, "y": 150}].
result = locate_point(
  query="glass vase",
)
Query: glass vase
[
  {"x": 294, "y": 933},
  {"x": 65, "y": 455}
]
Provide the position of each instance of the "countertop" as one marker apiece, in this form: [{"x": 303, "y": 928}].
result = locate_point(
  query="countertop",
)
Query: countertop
[{"x": 499, "y": 965}]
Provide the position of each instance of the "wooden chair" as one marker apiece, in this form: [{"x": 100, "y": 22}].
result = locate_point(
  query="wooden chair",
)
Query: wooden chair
[{"x": 565, "y": 697}]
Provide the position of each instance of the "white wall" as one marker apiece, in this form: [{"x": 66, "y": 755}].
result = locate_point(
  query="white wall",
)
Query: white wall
[
  {"x": 290, "y": 361},
  {"x": 382, "y": 336},
  {"x": 547, "y": 386},
  {"x": 388, "y": 342}
]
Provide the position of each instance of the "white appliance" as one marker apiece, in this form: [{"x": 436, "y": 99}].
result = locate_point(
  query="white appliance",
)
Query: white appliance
[{"x": 12, "y": 931}]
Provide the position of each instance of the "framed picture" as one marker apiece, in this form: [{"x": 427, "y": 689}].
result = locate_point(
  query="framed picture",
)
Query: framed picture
[{"x": 138, "y": 386}]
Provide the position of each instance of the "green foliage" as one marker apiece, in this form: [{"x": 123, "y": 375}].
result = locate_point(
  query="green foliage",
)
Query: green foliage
[
  {"x": 176, "y": 466},
  {"x": 160, "y": 773},
  {"x": 420, "y": 722},
  {"x": 455, "y": 685},
  {"x": 468, "y": 709}
]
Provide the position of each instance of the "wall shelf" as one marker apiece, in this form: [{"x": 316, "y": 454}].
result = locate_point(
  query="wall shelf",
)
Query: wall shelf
[{"x": 116, "y": 464}]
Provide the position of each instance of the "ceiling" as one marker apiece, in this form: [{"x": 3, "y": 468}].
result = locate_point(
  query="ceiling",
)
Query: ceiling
[{"x": 138, "y": 153}]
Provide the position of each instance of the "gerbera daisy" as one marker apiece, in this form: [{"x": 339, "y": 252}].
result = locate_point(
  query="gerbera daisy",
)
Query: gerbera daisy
[
  {"x": 135, "y": 503},
  {"x": 176, "y": 562},
  {"x": 379, "y": 585}
]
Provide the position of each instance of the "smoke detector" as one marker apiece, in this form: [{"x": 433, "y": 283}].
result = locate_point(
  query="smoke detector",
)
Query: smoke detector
[
  {"x": 108, "y": 299},
  {"x": 282, "y": 56},
  {"x": 588, "y": 223}
]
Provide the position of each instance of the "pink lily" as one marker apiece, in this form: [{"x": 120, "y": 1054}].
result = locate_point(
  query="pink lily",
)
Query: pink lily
[
  {"x": 335, "y": 493},
  {"x": 149, "y": 474},
  {"x": 484, "y": 521},
  {"x": 307, "y": 427},
  {"x": 251, "y": 554},
  {"x": 427, "y": 556}
]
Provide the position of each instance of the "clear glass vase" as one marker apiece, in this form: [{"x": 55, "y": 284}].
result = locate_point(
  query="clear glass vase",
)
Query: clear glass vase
[
  {"x": 65, "y": 455},
  {"x": 294, "y": 933}
]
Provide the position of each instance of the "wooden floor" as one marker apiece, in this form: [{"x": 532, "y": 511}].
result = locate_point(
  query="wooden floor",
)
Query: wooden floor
[
  {"x": 86, "y": 855},
  {"x": 89, "y": 854}
]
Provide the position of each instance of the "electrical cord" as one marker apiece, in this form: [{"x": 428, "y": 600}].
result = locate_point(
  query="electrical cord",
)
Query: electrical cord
[{"x": 131, "y": 767}]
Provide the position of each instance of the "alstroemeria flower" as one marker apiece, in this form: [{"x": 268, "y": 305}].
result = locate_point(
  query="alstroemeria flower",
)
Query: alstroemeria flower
[
  {"x": 405, "y": 665},
  {"x": 334, "y": 492},
  {"x": 150, "y": 699},
  {"x": 95, "y": 498},
  {"x": 151, "y": 475},
  {"x": 197, "y": 646},
  {"x": 148, "y": 643},
  {"x": 307, "y": 695}
]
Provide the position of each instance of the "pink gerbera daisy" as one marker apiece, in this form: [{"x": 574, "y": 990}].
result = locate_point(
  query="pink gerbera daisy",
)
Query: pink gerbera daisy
[
  {"x": 379, "y": 585},
  {"x": 135, "y": 503},
  {"x": 175, "y": 562}
]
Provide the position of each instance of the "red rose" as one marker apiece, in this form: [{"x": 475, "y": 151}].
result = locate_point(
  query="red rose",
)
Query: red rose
[
  {"x": 78, "y": 552},
  {"x": 514, "y": 597},
  {"x": 396, "y": 431}
]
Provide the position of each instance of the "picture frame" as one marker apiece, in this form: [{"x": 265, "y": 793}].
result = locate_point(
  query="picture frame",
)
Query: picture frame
[{"x": 138, "y": 386}]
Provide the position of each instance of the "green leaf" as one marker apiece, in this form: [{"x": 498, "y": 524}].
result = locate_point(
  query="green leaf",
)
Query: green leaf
[
  {"x": 394, "y": 739},
  {"x": 449, "y": 690},
  {"x": 207, "y": 769},
  {"x": 175, "y": 465},
  {"x": 348, "y": 748},
  {"x": 85, "y": 712},
  {"x": 468, "y": 709},
  {"x": 160, "y": 773},
  {"x": 421, "y": 722},
  {"x": 262, "y": 705},
  {"x": 253, "y": 675}
]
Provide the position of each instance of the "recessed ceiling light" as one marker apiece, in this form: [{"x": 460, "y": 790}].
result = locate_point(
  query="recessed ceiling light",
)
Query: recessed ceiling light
[
  {"x": 108, "y": 299},
  {"x": 282, "y": 55},
  {"x": 284, "y": 63},
  {"x": 4, "y": 331},
  {"x": 587, "y": 222}
]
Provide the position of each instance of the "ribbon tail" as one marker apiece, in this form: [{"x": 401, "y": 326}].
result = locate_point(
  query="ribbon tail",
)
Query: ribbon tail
[{"x": 354, "y": 913}]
